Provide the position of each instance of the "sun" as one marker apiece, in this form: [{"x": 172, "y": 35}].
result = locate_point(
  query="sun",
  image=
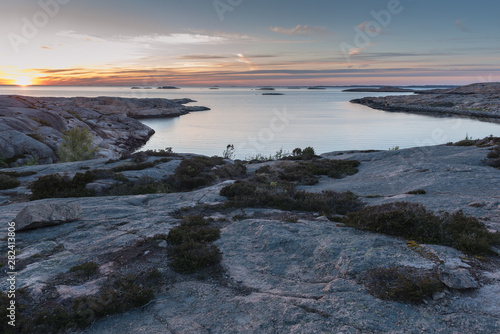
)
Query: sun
[{"x": 24, "y": 81}]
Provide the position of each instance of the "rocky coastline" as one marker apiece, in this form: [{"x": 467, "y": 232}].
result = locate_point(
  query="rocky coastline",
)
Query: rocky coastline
[
  {"x": 97, "y": 241},
  {"x": 32, "y": 127},
  {"x": 479, "y": 101}
]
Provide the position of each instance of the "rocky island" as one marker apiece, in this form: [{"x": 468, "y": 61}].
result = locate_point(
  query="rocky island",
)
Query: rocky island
[
  {"x": 480, "y": 101},
  {"x": 384, "y": 89},
  {"x": 33, "y": 126},
  {"x": 399, "y": 241}
]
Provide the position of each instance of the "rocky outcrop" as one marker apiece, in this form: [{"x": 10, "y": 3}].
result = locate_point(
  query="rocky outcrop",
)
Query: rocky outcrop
[
  {"x": 32, "y": 127},
  {"x": 480, "y": 101},
  {"x": 278, "y": 275}
]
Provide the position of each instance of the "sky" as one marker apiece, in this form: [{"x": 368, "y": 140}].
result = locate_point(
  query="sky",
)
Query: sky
[{"x": 249, "y": 42}]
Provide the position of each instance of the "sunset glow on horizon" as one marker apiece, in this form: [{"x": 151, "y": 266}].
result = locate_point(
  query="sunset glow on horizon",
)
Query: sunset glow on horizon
[{"x": 244, "y": 43}]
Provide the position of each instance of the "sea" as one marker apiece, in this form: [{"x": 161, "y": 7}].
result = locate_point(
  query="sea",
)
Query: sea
[{"x": 261, "y": 125}]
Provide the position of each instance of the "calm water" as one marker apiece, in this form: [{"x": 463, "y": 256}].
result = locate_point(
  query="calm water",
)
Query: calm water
[{"x": 253, "y": 123}]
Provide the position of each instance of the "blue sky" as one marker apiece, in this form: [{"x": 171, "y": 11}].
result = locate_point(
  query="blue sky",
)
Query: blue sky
[{"x": 249, "y": 42}]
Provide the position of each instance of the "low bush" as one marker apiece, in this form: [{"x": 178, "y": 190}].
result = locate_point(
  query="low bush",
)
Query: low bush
[
  {"x": 191, "y": 256},
  {"x": 193, "y": 228},
  {"x": 57, "y": 186},
  {"x": 144, "y": 185},
  {"x": 253, "y": 193},
  {"x": 118, "y": 294},
  {"x": 133, "y": 166},
  {"x": 8, "y": 182},
  {"x": 305, "y": 172},
  {"x": 194, "y": 173},
  {"x": 417, "y": 192},
  {"x": 85, "y": 269},
  {"x": 191, "y": 245},
  {"x": 412, "y": 221},
  {"x": 403, "y": 284}
]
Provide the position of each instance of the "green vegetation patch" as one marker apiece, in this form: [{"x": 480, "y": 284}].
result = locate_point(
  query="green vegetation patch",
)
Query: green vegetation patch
[
  {"x": 413, "y": 222},
  {"x": 86, "y": 269},
  {"x": 58, "y": 186},
  {"x": 402, "y": 284},
  {"x": 118, "y": 294},
  {"x": 8, "y": 182},
  {"x": 259, "y": 192},
  {"x": 305, "y": 172},
  {"x": 194, "y": 173},
  {"x": 77, "y": 145},
  {"x": 192, "y": 247}
]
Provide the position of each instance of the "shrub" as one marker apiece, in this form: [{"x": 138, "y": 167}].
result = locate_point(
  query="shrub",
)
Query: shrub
[
  {"x": 77, "y": 145},
  {"x": 57, "y": 186},
  {"x": 304, "y": 172},
  {"x": 270, "y": 195},
  {"x": 133, "y": 166},
  {"x": 417, "y": 192},
  {"x": 193, "y": 228},
  {"x": 118, "y": 294},
  {"x": 191, "y": 256},
  {"x": 228, "y": 152},
  {"x": 194, "y": 172},
  {"x": 8, "y": 182},
  {"x": 414, "y": 222},
  {"x": 192, "y": 249},
  {"x": 85, "y": 269},
  {"x": 403, "y": 284},
  {"x": 308, "y": 152},
  {"x": 167, "y": 152}
]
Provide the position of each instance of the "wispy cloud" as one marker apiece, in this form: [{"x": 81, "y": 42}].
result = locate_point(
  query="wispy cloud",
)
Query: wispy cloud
[
  {"x": 247, "y": 61},
  {"x": 300, "y": 30},
  {"x": 368, "y": 27},
  {"x": 74, "y": 35},
  {"x": 203, "y": 56},
  {"x": 178, "y": 39},
  {"x": 461, "y": 26}
]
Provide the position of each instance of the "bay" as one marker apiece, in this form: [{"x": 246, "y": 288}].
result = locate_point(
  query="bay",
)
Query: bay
[{"x": 263, "y": 124}]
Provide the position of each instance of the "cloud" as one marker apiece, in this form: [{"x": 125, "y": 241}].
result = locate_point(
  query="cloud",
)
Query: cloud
[
  {"x": 300, "y": 30},
  {"x": 461, "y": 26},
  {"x": 245, "y": 60},
  {"x": 370, "y": 28},
  {"x": 74, "y": 35},
  {"x": 179, "y": 39},
  {"x": 203, "y": 56}
]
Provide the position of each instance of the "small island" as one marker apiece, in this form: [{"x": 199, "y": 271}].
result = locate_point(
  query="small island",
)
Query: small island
[{"x": 384, "y": 89}]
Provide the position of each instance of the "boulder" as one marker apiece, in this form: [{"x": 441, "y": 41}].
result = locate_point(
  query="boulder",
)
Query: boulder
[
  {"x": 457, "y": 278},
  {"x": 38, "y": 215}
]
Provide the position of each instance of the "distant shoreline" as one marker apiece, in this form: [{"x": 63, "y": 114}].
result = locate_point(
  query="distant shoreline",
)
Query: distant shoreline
[{"x": 476, "y": 101}]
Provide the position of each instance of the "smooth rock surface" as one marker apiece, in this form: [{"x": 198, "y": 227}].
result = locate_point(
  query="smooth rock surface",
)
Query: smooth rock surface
[{"x": 38, "y": 215}]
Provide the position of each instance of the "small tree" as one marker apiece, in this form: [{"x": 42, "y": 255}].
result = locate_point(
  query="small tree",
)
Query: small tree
[
  {"x": 77, "y": 145},
  {"x": 228, "y": 152}
]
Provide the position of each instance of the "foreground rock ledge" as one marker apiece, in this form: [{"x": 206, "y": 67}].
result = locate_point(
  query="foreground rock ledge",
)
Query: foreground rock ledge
[
  {"x": 32, "y": 126},
  {"x": 279, "y": 277}
]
